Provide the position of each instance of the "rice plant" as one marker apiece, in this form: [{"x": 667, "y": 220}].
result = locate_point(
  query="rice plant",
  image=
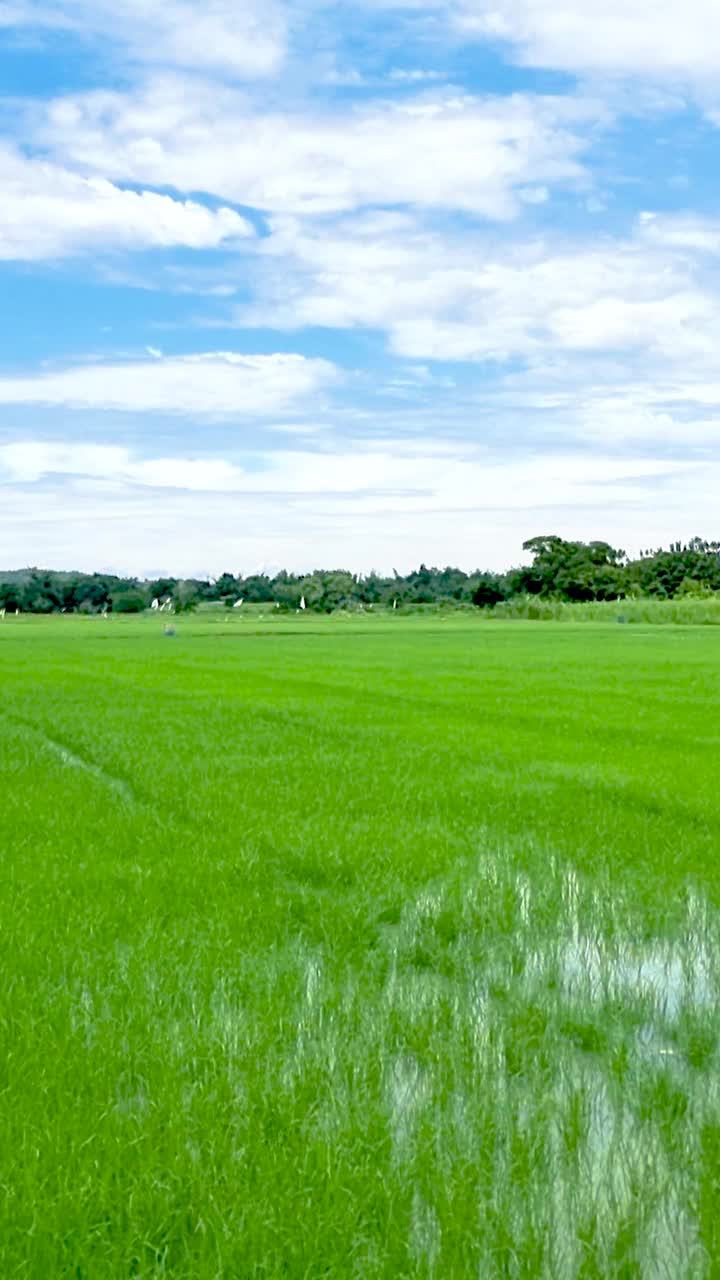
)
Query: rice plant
[{"x": 359, "y": 949}]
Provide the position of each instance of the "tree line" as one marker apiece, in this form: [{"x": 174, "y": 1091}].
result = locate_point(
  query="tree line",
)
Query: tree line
[{"x": 558, "y": 569}]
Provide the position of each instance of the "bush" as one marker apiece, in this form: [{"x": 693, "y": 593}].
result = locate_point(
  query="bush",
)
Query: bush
[
  {"x": 129, "y": 602},
  {"x": 489, "y": 591}
]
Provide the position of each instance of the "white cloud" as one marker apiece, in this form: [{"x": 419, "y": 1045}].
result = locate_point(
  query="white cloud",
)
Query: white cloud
[
  {"x": 388, "y": 474},
  {"x": 211, "y": 384},
  {"x": 47, "y": 212},
  {"x": 466, "y": 297},
  {"x": 89, "y": 505},
  {"x": 30, "y": 461},
  {"x": 437, "y": 150},
  {"x": 244, "y": 37},
  {"x": 695, "y": 234},
  {"x": 597, "y": 404},
  {"x": 660, "y": 39},
  {"x": 676, "y": 418},
  {"x": 415, "y": 76}
]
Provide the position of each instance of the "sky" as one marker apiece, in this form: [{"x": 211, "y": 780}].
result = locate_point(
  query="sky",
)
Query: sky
[{"x": 359, "y": 285}]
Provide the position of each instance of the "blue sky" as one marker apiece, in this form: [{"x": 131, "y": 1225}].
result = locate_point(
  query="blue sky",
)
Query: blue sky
[{"x": 355, "y": 284}]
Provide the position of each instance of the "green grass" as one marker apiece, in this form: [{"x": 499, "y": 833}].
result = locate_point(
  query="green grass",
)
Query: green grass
[
  {"x": 692, "y": 610},
  {"x": 359, "y": 948}
]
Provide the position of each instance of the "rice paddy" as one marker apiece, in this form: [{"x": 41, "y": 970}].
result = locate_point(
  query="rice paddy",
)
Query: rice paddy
[{"x": 359, "y": 948}]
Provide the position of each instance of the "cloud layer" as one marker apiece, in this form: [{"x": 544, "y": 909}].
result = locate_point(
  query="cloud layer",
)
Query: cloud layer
[
  {"x": 460, "y": 261},
  {"x": 303, "y": 508}
]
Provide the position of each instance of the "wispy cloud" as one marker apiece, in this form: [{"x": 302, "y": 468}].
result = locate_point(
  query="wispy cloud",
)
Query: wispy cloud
[
  {"x": 245, "y": 38},
  {"x": 391, "y": 474},
  {"x": 313, "y": 507},
  {"x": 210, "y": 384}
]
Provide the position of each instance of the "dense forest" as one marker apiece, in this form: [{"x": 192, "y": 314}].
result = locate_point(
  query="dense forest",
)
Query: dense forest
[{"x": 558, "y": 569}]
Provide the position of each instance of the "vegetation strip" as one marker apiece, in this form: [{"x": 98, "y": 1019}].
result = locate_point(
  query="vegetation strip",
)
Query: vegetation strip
[{"x": 560, "y": 571}]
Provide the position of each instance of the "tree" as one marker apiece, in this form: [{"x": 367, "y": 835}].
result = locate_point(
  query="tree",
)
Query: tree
[
  {"x": 257, "y": 589},
  {"x": 490, "y": 590},
  {"x": 226, "y": 587},
  {"x": 10, "y": 597},
  {"x": 40, "y": 593},
  {"x": 662, "y": 573},
  {"x": 186, "y": 595},
  {"x": 287, "y": 590},
  {"x": 131, "y": 601},
  {"x": 571, "y": 570},
  {"x": 161, "y": 588}
]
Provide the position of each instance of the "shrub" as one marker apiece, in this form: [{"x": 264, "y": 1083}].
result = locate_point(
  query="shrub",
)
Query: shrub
[{"x": 129, "y": 602}]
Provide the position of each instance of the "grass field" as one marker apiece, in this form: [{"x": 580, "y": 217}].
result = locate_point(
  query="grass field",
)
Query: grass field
[{"x": 359, "y": 948}]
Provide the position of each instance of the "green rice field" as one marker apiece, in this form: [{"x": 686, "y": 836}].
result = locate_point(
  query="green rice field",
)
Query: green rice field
[{"x": 359, "y": 947}]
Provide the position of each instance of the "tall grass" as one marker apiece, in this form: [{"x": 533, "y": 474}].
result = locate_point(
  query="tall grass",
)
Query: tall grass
[{"x": 683, "y": 611}]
